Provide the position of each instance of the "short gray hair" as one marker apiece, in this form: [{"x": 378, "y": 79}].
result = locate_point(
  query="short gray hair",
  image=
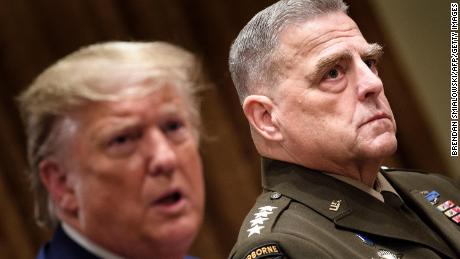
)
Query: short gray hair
[
  {"x": 107, "y": 71},
  {"x": 252, "y": 60}
]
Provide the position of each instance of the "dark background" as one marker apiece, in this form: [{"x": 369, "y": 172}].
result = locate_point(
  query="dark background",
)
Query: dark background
[{"x": 35, "y": 33}]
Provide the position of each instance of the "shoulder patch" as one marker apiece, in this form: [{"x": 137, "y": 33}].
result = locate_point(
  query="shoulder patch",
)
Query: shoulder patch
[{"x": 267, "y": 250}]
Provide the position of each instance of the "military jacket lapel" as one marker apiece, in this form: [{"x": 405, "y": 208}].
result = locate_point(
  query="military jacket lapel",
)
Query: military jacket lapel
[
  {"x": 411, "y": 189},
  {"x": 345, "y": 205}
]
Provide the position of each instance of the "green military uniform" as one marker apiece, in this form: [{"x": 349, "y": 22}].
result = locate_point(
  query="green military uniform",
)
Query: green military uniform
[{"x": 304, "y": 213}]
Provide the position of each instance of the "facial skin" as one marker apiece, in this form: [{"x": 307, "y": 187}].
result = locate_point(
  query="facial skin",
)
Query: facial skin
[
  {"x": 329, "y": 108},
  {"x": 133, "y": 176}
]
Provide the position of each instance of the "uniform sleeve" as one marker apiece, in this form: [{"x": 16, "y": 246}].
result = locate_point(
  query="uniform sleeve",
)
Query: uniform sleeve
[{"x": 279, "y": 246}]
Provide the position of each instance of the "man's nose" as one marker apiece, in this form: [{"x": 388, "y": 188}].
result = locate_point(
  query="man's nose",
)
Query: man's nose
[
  {"x": 161, "y": 154},
  {"x": 369, "y": 83}
]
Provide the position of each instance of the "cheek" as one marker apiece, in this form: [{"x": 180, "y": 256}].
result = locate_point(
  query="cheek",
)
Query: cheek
[
  {"x": 191, "y": 165},
  {"x": 322, "y": 104},
  {"x": 334, "y": 114},
  {"x": 108, "y": 186},
  {"x": 196, "y": 168},
  {"x": 111, "y": 180},
  {"x": 388, "y": 109}
]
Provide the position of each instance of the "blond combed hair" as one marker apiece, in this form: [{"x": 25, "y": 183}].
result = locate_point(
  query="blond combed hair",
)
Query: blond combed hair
[{"x": 101, "y": 72}]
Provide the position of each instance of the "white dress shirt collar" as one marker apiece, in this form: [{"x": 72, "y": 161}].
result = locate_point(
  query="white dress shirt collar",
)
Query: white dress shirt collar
[{"x": 88, "y": 244}]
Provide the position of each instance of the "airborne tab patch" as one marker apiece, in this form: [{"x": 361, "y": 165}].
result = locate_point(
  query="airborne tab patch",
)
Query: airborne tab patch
[{"x": 269, "y": 250}]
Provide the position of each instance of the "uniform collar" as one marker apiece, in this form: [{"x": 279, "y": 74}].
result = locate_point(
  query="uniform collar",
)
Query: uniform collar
[
  {"x": 381, "y": 184},
  {"x": 347, "y": 206},
  {"x": 88, "y": 244}
]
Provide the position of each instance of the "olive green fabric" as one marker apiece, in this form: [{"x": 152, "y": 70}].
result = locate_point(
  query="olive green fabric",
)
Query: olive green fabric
[{"x": 307, "y": 214}]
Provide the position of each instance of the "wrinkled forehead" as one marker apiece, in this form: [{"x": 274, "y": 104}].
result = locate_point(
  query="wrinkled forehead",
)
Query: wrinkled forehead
[
  {"x": 325, "y": 30},
  {"x": 131, "y": 81},
  {"x": 165, "y": 98}
]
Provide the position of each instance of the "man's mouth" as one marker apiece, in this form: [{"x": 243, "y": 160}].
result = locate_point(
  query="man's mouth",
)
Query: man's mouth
[
  {"x": 169, "y": 198},
  {"x": 171, "y": 203},
  {"x": 376, "y": 117}
]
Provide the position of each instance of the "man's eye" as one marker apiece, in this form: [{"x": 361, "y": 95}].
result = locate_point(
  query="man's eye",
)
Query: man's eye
[
  {"x": 123, "y": 139},
  {"x": 370, "y": 63},
  {"x": 119, "y": 140},
  {"x": 333, "y": 73},
  {"x": 176, "y": 130},
  {"x": 172, "y": 126}
]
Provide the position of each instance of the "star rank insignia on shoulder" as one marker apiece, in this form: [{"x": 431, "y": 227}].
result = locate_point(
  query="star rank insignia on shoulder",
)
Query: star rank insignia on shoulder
[
  {"x": 264, "y": 215},
  {"x": 259, "y": 218}
]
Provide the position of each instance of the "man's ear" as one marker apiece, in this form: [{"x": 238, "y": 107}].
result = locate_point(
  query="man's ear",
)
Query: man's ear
[
  {"x": 59, "y": 186},
  {"x": 258, "y": 110}
]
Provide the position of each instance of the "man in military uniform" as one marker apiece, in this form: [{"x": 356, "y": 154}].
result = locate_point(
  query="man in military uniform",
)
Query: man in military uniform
[{"x": 309, "y": 87}]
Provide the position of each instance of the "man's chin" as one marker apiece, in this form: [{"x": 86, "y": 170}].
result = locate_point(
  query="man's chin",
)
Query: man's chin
[
  {"x": 179, "y": 233},
  {"x": 380, "y": 148}
]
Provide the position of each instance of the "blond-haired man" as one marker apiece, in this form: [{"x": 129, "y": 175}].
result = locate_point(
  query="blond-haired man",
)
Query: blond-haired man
[{"x": 113, "y": 134}]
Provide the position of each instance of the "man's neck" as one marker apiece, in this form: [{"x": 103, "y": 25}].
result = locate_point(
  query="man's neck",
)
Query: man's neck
[{"x": 362, "y": 171}]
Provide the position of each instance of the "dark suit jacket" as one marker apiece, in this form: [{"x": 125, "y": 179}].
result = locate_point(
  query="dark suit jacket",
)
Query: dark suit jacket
[
  {"x": 63, "y": 247},
  {"x": 304, "y": 213}
]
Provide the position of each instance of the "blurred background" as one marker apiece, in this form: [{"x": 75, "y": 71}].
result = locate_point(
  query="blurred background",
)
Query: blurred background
[{"x": 35, "y": 33}]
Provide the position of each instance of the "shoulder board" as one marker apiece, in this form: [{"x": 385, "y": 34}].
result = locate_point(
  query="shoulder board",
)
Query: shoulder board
[{"x": 263, "y": 216}]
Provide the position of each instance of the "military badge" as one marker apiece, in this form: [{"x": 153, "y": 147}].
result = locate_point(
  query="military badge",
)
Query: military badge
[
  {"x": 432, "y": 197},
  {"x": 365, "y": 240},
  {"x": 386, "y": 254},
  {"x": 270, "y": 250},
  {"x": 445, "y": 205},
  {"x": 259, "y": 219},
  {"x": 448, "y": 208}
]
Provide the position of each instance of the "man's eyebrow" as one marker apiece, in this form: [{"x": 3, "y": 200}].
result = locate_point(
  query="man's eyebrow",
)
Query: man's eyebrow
[
  {"x": 114, "y": 125},
  {"x": 374, "y": 50},
  {"x": 324, "y": 64}
]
